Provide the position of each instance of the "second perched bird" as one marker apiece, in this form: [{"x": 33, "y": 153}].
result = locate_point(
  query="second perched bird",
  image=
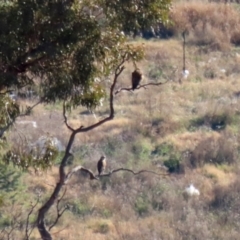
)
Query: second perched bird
[
  {"x": 101, "y": 165},
  {"x": 136, "y": 78}
]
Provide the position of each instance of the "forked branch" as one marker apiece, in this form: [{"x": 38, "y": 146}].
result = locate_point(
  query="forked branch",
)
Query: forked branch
[
  {"x": 63, "y": 177},
  {"x": 109, "y": 174},
  {"x": 65, "y": 117},
  {"x": 59, "y": 210},
  {"x": 28, "y": 230}
]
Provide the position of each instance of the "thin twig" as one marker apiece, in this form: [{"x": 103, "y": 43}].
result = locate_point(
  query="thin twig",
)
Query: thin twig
[
  {"x": 65, "y": 117},
  {"x": 12, "y": 228},
  {"x": 29, "y": 109},
  {"x": 59, "y": 211},
  {"x": 129, "y": 89},
  {"x": 131, "y": 171},
  {"x": 27, "y": 233}
]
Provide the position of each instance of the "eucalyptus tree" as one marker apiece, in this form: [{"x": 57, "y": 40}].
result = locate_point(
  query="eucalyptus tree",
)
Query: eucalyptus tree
[{"x": 60, "y": 48}]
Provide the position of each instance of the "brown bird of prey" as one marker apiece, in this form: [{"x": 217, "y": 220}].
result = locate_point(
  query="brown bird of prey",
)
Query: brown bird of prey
[
  {"x": 101, "y": 165},
  {"x": 136, "y": 78}
]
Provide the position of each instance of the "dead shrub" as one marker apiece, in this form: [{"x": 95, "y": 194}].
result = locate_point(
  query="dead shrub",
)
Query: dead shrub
[
  {"x": 226, "y": 198},
  {"x": 235, "y": 38},
  {"x": 226, "y": 204},
  {"x": 214, "y": 150},
  {"x": 216, "y": 121}
]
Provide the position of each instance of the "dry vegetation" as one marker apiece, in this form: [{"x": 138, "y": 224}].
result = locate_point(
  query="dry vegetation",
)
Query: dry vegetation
[
  {"x": 192, "y": 128},
  {"x": 212, "y": 23}
]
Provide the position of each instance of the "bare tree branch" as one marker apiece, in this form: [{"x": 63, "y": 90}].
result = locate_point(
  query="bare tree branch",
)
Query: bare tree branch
[
  {"x": 80, "y": 168},
  {"x": 45, "y": 235},
  {"x": 63, "y": 177},
  {"x": 65, "y": 117},
  {"x": 29, "y": 109},
  {"x": 59, "y": 211},
  {"x": 129, "y": 89},
  {"x": 16, "y": 224},
  {"x": 27, "y": 232},
  {"x": 97, "y": 177},
  {"x": 131, "y": 171},
  {"x": 8, "y": 231}
]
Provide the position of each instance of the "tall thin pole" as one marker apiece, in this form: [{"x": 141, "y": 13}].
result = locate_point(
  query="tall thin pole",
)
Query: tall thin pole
[{"x": 184, "y": 56}]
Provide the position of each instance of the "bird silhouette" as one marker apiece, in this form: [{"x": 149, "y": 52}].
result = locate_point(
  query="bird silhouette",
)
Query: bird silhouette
[
  {"x": 101, "y": 165},
  {"x": 136, "y": 78}
]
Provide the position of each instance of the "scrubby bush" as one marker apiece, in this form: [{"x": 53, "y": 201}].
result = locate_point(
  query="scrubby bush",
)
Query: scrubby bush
[
  {"x": 215, "y": 150},
  {"x": 172, "y": 164},
  {"x": 163, "y": 149},
  {"x": 141, "y": 149},
  {"x": 225, "y": 204},
  {"x": 141, "y": 205},
  {"x": 213, "y": 120},
  {"x": 79, "y": 208},
  {"x": 101, "y": 227},
  {"x": 226, "y": 198}
]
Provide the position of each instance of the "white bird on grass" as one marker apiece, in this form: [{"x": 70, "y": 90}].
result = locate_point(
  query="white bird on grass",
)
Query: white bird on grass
[{"x": 192, "y": 191}]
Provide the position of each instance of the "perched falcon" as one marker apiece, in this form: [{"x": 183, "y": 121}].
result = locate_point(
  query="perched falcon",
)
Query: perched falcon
[{"x": 101, "y": 165}]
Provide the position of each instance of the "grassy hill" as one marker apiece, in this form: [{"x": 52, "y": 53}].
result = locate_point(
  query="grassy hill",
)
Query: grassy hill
[{"x": 191, "y": 127}]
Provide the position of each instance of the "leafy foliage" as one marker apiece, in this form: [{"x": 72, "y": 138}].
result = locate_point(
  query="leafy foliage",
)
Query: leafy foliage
[
  {"x": 141, "y": 205},
  {"x": 66, "y": 48},
  {"x": 9, "y": 110},
  {"x": 67, "y": 44},
  {"x": 79, "y": 208},
  {"x": 172, "y": 164},
  {"x": 9, "y": 180},
  {"x": 135, "y": 15},
  {"x": 24, "y": 158}
]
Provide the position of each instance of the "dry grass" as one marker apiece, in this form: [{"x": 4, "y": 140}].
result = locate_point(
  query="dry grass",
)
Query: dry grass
[
  {"x": 45, "y": 180},
  {"x": 213, "y": 24},
  {"x": 218, "y": 175}
]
